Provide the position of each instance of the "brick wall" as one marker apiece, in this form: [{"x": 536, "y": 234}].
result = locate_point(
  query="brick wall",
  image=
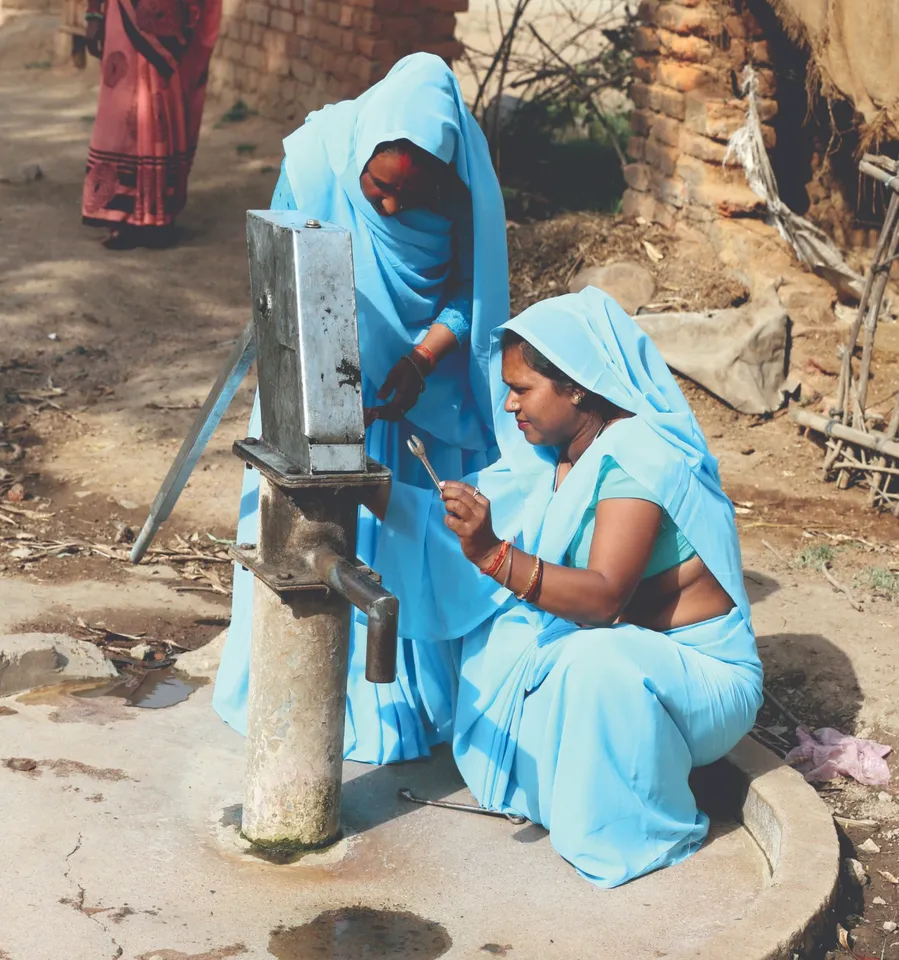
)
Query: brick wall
[
  {"x": 285, "y": 58},
  {"x": 689, "y": 55}
]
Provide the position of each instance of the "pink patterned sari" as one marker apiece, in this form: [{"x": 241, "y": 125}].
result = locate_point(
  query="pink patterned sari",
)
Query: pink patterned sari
[{"x": 154, "y": 70}]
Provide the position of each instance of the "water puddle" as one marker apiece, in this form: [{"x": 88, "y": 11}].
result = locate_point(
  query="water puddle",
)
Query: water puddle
[
  {"x": 154, "y": 691},
  {"x": 353, "y": 933}
]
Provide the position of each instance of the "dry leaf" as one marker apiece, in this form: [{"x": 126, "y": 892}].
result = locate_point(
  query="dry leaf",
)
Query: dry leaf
[
  {"x": 653, "y": 252},
  {"x": 843, "y": 937},
  {"x": 889, "y": 877},
  {"x": 16, "y": 493}
]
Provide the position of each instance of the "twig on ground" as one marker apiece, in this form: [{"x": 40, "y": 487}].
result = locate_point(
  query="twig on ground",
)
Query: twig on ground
[
  {"x": 787, "y": 713},
  {"x": 841, "y": 587},
  {"x": 774, "y": 550}
]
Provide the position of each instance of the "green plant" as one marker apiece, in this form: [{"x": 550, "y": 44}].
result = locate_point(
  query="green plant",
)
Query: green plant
[
  {"x": 815, "y": 556},
  {"x": 237, "y": 114},
  {"x": 882, "y": 582}
]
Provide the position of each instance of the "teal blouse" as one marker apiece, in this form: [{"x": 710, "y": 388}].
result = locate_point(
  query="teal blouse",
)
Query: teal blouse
[{"x": 671, "y": 546}]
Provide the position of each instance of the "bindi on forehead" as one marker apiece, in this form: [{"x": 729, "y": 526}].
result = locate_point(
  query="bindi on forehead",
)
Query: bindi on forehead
[{"x": 405, "y": 164}]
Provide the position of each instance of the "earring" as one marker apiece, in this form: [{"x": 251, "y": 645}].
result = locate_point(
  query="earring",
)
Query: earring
[{"x": 577, "y": 397}]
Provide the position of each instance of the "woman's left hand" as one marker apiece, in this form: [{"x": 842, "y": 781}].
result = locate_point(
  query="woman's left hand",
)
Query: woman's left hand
[
  {"x": 468, "y": 516},
  {"x": 404, "y": 385}
]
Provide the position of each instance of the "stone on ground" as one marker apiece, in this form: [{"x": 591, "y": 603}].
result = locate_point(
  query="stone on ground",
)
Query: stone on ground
[
  {"x": 29, "y": 660},
  {"x": 630, "y": 284}
]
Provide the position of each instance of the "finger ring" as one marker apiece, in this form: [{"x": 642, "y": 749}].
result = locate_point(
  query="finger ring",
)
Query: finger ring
[{"x": 477, "y": 490}]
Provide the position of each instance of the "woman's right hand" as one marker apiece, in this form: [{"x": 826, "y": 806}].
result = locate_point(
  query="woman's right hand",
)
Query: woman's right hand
[
  {"x": 404, "y": 385},
  {"x": 93, "y": 34}
]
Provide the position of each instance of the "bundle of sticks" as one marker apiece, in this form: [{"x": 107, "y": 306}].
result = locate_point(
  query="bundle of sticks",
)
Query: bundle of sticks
[{"x": 856, "y": 451}]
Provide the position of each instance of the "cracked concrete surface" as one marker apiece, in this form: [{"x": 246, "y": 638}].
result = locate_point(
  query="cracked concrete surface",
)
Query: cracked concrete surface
[{"x": 145, "y": 869}]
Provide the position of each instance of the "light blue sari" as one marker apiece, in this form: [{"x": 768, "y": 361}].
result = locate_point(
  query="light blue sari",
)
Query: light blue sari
[
  {"x": 590, "y": 732},
  {"x": 404, "y": 280}
]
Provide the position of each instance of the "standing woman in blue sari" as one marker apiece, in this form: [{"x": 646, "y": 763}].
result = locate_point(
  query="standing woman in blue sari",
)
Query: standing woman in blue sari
[
  {"x": 594, "y": 573},
  {"x": 407, "y": 171}
]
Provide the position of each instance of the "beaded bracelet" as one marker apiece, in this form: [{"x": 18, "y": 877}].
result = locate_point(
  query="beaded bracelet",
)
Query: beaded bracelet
[
  {"x": 90, "y": 15},
  {"x": 494, "y": 567},
  {"x": 427, "y": 354}
]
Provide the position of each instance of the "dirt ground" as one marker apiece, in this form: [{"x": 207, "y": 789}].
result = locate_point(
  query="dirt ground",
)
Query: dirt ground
[{"x": 104, "y": 357}]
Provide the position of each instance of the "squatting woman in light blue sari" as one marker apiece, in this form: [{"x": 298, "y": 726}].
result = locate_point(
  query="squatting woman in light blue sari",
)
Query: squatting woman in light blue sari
[
  {"x": 407, "y": 171},
  {"x": 594, "y": 572}
]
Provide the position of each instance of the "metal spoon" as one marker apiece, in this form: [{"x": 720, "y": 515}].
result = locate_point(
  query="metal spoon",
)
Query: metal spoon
[{"x": 417, "y": 448}]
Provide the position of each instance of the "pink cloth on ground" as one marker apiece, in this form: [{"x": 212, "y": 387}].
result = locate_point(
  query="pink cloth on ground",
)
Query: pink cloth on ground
[{"x": 827, "y": 754}]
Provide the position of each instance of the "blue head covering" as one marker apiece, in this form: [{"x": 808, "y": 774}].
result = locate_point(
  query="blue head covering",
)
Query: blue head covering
[
  {"x": 589, "y": 337},
  {"x": 402, "y": 262}
]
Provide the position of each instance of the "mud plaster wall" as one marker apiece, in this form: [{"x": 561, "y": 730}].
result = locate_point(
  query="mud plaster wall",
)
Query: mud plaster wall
[
  {"x": 689, "y": 55},
  {"x": 285, "y": 58}
]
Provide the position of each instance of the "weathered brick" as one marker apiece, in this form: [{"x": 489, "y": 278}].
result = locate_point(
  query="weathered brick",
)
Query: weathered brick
[
  {"x": 670, "y": 190},
  {"x": 663, "y": 99},
  {"x": 635, "y": 204},
  {"x": 448, "y": 6},
  {"x": 701, "y": 21},
  {"x": 639, "y": 94},
  {"x": 305, "y": 27},
  {"x": 641, "y": 122},
  {"x": 282, "y": 20},
  {"x": 367, "y": 22},
  {"x": 373, "y": 48},
  {"x": 661, "y": 157},
  {"x": 636, "y": 176},
  {"x": 317, "y": 54},
  {"x": 644, "y": 68},
  {"x": 666, "y": 130},
  {"x": 347, "y": 41},
  {"x": 256, "y": 32},
  {"x": 703, "y": 148},
  {"x": 288, "y": 90},
  {"x": 346, "y": 15},
  {"x": 719, "y": 119},
  {"x": 684, "y": 76},
  {"x": 231, "y": 50},
  {"x": 446, "y": 49},
  {"x": 733, "y": 24},
  {"x": 665, "y": 216},
  {"x": 760, "y": 52},
  {"x": 257, "y": 13},
  {"x": 646, "y": 40},
  {"x": 636, "y": 148},
  {"x": 438, "y": 24},
  {"x": 691, "y": 48},
  {"x": 246, "y": 30},
  {"x": 329, "y": 35},
  {"x": 253, "y": 58},
  {"x": 302, "y": 71},
  {"x": 361, "y": 68},
  {"x": 647, "y": 10},
  {"x": 297, "y": 48}
]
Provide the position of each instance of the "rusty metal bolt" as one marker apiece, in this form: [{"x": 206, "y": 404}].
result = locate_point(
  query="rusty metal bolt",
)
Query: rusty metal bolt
[
  {"x": 313, "y": 225},
  {"x": 264, "y": 304},
  {"x": 250, "y": 441},
  {"x": 247, "y": 546}
]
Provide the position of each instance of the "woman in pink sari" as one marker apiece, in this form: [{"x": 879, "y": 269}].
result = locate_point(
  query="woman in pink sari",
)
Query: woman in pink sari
[{"x": 154, "y": 64}]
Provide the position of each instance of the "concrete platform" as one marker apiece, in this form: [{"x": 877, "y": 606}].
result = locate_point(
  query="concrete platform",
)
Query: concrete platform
[{"x": 121, "y": 842}]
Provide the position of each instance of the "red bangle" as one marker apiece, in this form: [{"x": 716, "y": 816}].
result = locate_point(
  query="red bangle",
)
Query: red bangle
[
  {"x": 432, "y": 360},
  {"x": 498, "y": 560}
]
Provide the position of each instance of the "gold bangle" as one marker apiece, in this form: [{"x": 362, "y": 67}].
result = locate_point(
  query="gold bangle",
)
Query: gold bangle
[
  {"x": 535, "y": 573},
  {"x": 508, "y": 575}
]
